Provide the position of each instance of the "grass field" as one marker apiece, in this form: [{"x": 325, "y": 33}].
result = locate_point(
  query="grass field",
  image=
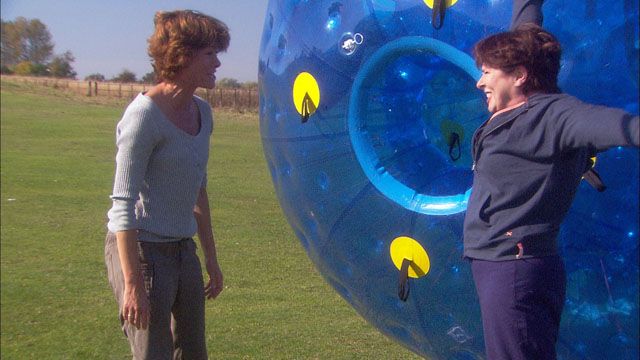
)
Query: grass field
[{"x": 56, "y": 175}]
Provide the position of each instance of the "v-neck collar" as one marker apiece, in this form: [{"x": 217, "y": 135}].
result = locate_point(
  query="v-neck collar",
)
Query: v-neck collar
[{"x": 172, "y": 124}]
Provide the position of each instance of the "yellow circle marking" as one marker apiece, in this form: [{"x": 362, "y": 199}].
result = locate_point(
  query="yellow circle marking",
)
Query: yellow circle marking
[
  {"x": 306, "y": 94},
  {"x": 448, "y": 3},
  {"x": 404, "y": 247}
]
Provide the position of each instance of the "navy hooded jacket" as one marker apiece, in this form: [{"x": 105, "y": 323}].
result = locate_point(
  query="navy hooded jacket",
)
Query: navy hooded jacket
[{"x": 528, "y": 163}]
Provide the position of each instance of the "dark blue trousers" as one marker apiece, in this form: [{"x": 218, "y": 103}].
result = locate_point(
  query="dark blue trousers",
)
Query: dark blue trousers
[{"x": 521, "y": 303}]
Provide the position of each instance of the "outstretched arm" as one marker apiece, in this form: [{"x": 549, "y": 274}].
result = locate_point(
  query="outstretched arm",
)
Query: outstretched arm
[
  {"x": 596, "y": 127},
  {"x": 526, "y": 11}
]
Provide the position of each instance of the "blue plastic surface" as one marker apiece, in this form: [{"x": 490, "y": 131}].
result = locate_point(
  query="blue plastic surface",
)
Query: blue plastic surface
[{"x": 373, "y": 162}]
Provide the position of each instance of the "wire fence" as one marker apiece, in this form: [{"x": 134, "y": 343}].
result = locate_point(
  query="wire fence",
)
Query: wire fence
[{"x": 241, "y": 99}]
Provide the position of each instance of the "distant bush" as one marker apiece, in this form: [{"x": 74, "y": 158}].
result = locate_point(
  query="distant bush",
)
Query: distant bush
[
  {"x": 6, "y": 70},
  {"x": 28, "y": 68},
  {"x": 60, "y": 66},
  {"x": 125, "y": 76},
  {"x": 250, "y": 85},
  {"x": 228, "y": 83},
  {"x": 149, "y": 78},
  {"x": 95, "y": 77}
]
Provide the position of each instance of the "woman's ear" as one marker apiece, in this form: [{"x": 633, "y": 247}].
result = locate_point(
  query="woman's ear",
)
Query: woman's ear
[{"x": 521, "y": 75}]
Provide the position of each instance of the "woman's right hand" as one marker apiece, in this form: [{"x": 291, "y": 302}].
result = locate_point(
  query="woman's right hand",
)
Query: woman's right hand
[
  {"x": 135, "y": 302},
  {"x": 135, "y": 306}
]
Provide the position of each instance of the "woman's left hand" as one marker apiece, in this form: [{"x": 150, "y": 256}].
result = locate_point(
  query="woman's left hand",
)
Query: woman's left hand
[{"x": 214, "y": 287}]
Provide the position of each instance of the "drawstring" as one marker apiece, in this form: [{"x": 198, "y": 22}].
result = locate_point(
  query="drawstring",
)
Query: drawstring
[
  {"x": 308, "y": 108},
  {"x": 592, "y": 176},
  {"x": 403, "y": 280}
]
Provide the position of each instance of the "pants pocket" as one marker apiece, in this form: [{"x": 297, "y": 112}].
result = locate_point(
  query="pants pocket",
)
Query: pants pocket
[{"x": 146, "y": 270}]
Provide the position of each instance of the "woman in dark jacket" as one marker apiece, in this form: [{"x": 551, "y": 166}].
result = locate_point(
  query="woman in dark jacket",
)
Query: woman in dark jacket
[{"x": 529, "y": 158}]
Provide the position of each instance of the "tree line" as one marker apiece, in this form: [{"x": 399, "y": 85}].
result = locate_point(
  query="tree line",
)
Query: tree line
[{"x": 27, "y": 49}]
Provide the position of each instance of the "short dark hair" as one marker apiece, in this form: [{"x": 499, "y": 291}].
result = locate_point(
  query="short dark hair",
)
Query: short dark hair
[
  {"x": 178, "y": 35},
  {"x": 529, "y": 46}
]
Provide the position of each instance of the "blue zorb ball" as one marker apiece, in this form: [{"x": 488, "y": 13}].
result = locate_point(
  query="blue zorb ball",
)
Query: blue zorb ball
[{"x": 367, "y": 109}]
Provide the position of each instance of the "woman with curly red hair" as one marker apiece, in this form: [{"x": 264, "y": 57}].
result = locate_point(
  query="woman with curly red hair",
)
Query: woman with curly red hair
[{"x": 159, "y": 195}]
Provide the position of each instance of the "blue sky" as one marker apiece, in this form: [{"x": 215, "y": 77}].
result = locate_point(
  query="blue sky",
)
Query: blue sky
[{"x": 109, "y": 36}]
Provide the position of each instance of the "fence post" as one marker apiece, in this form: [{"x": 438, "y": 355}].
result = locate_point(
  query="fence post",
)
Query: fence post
[
  {"x": 89, "y": 89},
  {"x": 95, "y": 88},
  {"x": 119, "y": 90},
  {"x": 256, "y": 97},
  {"x": 235, "y": 99}
]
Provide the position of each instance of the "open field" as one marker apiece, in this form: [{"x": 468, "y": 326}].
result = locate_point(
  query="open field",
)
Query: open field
[{"x": 56, "y": 175}]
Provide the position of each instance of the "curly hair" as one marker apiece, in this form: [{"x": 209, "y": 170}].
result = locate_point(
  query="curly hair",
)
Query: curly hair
[
  {"x": 177, "y": 37},
  {"x": 529, "y": 46}
]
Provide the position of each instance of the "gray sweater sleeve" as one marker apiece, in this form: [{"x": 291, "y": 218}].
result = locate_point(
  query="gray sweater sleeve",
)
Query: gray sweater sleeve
[
  {"x": 136, "y": 137},
  {"x": 526, "y": 11}
]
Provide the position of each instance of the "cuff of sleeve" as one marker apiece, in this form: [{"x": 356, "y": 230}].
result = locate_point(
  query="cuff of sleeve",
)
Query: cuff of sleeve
[{"x": 122, "y": 215}]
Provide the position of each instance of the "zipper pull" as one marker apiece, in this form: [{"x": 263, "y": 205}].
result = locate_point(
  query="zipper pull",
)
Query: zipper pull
[
  {"x": 520, "y": 251},
  {"x": 473, "y": 166}
]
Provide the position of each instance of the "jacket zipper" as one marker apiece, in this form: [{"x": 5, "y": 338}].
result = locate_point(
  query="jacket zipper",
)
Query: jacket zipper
[{"x": 484, "y": 135}]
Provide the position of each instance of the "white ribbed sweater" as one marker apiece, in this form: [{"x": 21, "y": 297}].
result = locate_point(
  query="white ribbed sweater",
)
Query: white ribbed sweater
[{"x": 161, "y": 168}]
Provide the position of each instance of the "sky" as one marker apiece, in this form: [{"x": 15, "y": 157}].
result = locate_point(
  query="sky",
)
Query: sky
[{"x": 108, "y": 37}]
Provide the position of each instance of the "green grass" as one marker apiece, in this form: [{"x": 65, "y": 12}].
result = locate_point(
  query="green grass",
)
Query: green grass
[{"x": 56, "y": 175}]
